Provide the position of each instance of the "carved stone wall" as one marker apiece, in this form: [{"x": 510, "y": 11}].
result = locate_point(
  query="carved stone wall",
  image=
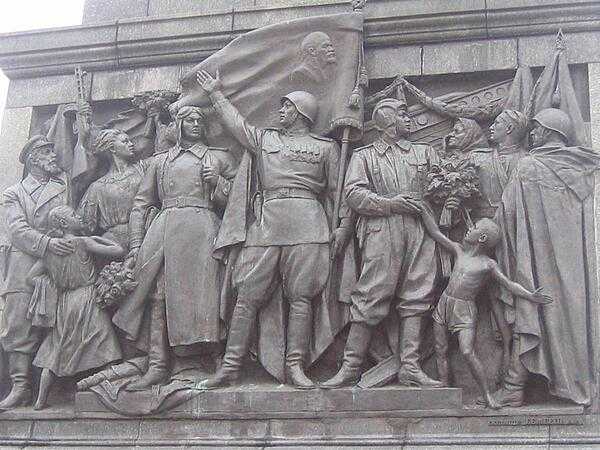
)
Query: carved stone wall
[{"x": 130, "y": 46}]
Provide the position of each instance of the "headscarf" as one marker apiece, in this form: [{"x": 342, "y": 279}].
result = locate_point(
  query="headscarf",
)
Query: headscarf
[{"x": 474, "y": 136}]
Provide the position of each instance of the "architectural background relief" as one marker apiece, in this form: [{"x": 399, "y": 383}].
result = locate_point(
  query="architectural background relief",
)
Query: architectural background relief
[{"x": 302, "y": 223}]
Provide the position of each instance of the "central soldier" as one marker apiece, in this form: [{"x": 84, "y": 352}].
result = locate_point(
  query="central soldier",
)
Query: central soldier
[{"x": 288, "y": 241}]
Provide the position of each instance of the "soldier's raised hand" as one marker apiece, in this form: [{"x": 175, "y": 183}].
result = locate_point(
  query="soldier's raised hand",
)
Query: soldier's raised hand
[{"x": 207, "y": 82}]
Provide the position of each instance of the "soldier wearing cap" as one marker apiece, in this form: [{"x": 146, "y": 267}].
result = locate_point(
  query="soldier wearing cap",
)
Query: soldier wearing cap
[
  {"x": 289, "y": 240},
  {"x": 27, "y": 204},
  {"x": 546, "y": 216},
  {"x": 178, "y": 280},
  {"x": 384, "y": 186}
]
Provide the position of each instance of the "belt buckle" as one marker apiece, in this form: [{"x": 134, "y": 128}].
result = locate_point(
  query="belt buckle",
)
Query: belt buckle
[{"x": 179, "y": 202}]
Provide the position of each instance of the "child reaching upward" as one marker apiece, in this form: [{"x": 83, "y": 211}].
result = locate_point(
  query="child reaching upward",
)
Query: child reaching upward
[
  {"x": 82, "y": 336},
  {"x": 456, "y": 311}
]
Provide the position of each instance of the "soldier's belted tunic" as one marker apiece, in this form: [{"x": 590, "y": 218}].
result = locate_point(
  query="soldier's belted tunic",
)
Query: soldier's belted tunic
[
  {"x": 289, "y": 238},
  {"x": 398, "y": 256},
  {"x": 176, "y": 251}
]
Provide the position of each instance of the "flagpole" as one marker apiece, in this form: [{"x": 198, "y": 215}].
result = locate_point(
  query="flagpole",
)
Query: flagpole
[{"x": 337, "y": 201}]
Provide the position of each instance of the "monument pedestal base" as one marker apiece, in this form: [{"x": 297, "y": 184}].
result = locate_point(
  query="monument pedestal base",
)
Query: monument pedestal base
[
  {"x": 278, "y": 416},
  {"x": 283, "y": 402}
]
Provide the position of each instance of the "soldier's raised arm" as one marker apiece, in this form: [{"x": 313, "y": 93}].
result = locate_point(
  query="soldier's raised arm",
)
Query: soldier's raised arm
[{"x": 246, "y": 134}]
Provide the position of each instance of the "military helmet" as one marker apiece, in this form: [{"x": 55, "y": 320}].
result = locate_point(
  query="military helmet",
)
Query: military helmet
[
  {"x": 305, "y": 103},
  {"x": 393, "y": 103},
  {"x": 35, "y": 142},
  {"x": 556, "y": 120}
]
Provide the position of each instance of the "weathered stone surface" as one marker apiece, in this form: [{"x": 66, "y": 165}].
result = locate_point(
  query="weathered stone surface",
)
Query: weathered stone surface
[
  {"x": 594, "y": 85},
  {"x": 581, "y": 47},
  {"x": 469, "y": 56},
  {"x": 49, "y": 90},
  {"x": 124, "y": 83},
  {"x": 13, "y": 135},
  {"x": 390, "y": 61},
  {"x": 110, "y": 10}
]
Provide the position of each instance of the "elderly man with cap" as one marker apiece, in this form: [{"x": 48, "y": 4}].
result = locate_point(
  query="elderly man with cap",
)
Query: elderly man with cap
[
  {"x": 384, "y": 186},
  {"x": 546, "y": 217},
  {"x": 288, "y": 243},
  {"x": 178, "y": 279},
  {"x": 27, "y": 204}
]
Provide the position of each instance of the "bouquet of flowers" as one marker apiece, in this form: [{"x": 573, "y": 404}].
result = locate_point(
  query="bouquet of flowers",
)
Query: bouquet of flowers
[
  {"x": 158, "y": 100},
  {"x": 454, "y": 180},
  {"x": 114, "y": 283}
]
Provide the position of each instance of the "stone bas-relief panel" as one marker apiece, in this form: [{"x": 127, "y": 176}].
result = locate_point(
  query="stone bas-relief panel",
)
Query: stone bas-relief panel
[{"x": 281, "y": 237}]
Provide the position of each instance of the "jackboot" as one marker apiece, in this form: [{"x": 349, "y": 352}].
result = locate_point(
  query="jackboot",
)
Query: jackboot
[
  {"x": 158, "y": 353},
  {"x": 298, "y": 338},
  {"x": 357, "y": 344},
  {"x": 19, "y": 369},
  {"x": 410, "y": 372},
  {"x": 238, "y": 342}
]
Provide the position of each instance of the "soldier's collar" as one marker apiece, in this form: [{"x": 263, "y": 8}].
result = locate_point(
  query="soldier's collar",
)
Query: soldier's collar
[
  {"x": 30, "y": 184},
  {"x": 199, "y": 150},
  {"x": 382, "y": 146},
  {"x": 294, "y": 133},
  {"x": 509, "y": 149}
]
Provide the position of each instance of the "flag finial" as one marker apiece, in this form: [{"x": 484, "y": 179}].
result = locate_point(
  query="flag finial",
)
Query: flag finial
[{"x": 561, "y": 43}]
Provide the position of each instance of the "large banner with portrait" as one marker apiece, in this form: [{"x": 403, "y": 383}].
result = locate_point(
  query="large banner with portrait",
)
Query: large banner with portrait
[{"x": 321, "y": 55}]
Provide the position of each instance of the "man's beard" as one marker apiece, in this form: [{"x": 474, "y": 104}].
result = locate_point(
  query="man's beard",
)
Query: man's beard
[{"x": 51, "y": 168}]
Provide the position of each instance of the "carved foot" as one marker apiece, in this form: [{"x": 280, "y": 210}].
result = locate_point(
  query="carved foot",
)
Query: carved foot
[
  {"x": 491, "y": 402},
  {"x": 150, "y": 378},
  {"x": 295, "y": 376},
  {"x": 413, "y": 376},
  {"x": 509, "y": 397},
  {"x": 346, "y": 376},
  {"x": 221, "y": 379},
  {"x": 17, "y": 397},
  {"x": 40, "y": 404}
]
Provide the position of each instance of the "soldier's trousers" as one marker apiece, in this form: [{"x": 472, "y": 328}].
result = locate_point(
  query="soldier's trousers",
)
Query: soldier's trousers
[
  {"x": 16, "y": 332},
  {"x": 303, "y": 270},
  {"x": 399, "y": 265}
]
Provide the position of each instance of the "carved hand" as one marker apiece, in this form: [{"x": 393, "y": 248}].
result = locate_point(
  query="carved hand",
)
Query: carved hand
[
  {"x": 339, "y": 239},
  {"x": 402, "y": 204},
  {"x": 452, "y": 203},
  {"x": 60, "y": 246},
  {"x": 207, "y": 82},
  {"x": 210, "y": 175},
  {"x": 131, "y": 258},
  {"x": 540, "y": 298}
]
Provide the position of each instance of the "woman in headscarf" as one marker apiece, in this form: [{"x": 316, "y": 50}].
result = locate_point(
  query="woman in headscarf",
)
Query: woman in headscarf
[{"x": 178, "y": 279}]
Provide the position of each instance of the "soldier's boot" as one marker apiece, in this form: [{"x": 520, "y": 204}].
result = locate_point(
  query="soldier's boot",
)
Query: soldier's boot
[
  {"x": 410, "y": 372},
  {"x": 298, "y": 338},
  {"x": 158, "y": 353},
  {"x": 508, "y": 395},
  {"x": 19, "y": 369},
  {"x": 356, "y": 348},
  {"x": 238, "y": 342}
]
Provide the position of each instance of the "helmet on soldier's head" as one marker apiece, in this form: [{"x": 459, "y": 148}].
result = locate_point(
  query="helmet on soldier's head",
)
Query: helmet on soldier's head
[
  {"x": 556, "y": 120},
  {"x": 305, "y": 103},
  {"x": 393, "y": 103}
]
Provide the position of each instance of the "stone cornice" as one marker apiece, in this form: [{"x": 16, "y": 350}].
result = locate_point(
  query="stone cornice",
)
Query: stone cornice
[{"x": 186, "y": 39}]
